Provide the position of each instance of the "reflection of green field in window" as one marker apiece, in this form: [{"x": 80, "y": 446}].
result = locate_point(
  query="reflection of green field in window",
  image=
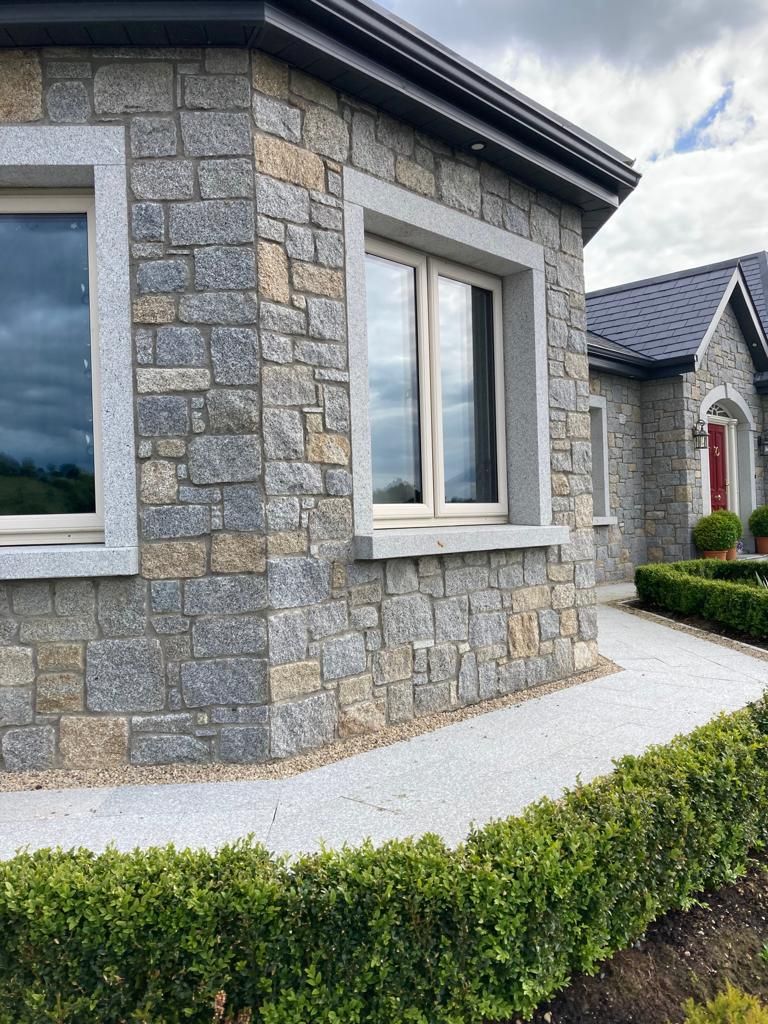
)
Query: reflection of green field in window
[{"x": 30, "y": 490}]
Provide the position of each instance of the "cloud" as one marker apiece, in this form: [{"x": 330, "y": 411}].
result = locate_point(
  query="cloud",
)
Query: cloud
[
  {"x": 621, "y": 32},
  {"x": 679, "y": 86}
]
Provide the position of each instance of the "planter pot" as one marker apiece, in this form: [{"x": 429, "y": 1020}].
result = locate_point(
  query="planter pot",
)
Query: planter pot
[
  {"x": 762, "y": 545},
  {"x": 731, "y": 554},
  {"x": 719, "y": 555}
]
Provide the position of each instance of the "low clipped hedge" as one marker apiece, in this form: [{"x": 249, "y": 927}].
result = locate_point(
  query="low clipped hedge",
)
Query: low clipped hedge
[
  {"x": 727, "y": 593},
  {"x": 408, "y": 932}
]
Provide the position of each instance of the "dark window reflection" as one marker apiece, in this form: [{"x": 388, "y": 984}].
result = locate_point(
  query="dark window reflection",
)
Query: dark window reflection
[
  {"x": 393, "y": 377},
  {"x": 46, "y": 405},
  {"x": 467, "y": 377}
]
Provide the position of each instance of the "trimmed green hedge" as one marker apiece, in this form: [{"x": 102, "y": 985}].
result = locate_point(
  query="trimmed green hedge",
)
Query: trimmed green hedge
[
  {"x": 727, "y": 593},
  {"x": 408, "y": 932}
]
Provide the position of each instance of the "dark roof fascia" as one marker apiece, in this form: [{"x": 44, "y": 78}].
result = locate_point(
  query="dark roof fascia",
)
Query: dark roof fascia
[
  {"x": 749, "y": 321},
  {"x": 363, "y": 50},
  {"x": 635, "y": 366}
]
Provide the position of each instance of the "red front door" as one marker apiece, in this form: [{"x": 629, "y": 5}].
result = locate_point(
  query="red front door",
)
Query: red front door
[{"x": 718, "y": 467}]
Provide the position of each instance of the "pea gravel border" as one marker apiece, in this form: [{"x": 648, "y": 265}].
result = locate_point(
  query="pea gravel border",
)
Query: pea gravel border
[{"x": 176, "y": 774}]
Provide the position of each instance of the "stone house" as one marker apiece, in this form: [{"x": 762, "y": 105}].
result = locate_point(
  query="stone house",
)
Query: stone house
[
  {"x": 679, "y": 385},
  {"x": 249, "y": 507}
]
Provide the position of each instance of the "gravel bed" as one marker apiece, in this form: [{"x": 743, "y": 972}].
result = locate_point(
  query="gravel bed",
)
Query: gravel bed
[{"x": 174, "y": 774}]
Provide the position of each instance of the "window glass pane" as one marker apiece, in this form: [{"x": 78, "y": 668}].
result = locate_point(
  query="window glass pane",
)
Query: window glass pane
[
  {"x": 393, "y": 377},
  {"x": 46, "y": 407},
  {"x": 467, "y": 377}
]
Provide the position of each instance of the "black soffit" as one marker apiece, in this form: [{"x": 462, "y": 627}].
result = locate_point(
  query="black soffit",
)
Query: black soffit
[{"x": 365, "y": 51}]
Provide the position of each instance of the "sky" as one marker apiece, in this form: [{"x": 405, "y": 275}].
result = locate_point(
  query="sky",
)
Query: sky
[{"x": 681, "y": 86}]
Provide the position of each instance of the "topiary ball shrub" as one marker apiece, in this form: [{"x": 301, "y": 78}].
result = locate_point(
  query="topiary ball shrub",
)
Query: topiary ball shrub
[
  {"x": 715, "y": 532},
  {"x": 758, "y": 521},
  {"x": 731, "y": 517},
  {"x": 730, "y": 1007}
]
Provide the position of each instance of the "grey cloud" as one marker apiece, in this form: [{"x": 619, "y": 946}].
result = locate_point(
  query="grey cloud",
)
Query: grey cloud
[{"x": 623, "y": 32}]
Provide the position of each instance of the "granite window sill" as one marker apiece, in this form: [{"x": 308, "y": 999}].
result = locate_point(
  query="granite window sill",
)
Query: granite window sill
[
  {"x": 605, "y": 521},
  {"x": 414, "y": 543},
  {"x": 67, "y": 560}
]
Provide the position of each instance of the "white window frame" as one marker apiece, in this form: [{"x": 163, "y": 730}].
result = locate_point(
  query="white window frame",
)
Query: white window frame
[
  {"x": 82, "y": 528},
  {"x": 601, "y": 488},
  {"x": 90, "y": 159},
  {"x": 434, "y": 509},
  {"x": 373, "y": 207}
]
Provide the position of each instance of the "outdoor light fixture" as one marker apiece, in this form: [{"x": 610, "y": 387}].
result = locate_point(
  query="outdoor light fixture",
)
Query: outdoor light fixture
[
  {"x": 762, "y": 444},
  {"x": 477, "y": 146},
  {"x": 700, "y": 435}
]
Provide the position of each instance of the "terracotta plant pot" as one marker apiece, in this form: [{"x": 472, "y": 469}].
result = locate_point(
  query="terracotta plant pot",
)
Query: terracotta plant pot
[
  {"x": 762, "y": 545},
  {"x": 731, "y": 553},
  {"x": 719, "y": 555}
]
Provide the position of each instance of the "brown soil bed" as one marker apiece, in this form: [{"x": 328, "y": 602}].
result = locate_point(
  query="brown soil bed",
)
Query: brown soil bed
[
  {"x": 683, "y": 955},
  {"x": 707, "y": 626}
]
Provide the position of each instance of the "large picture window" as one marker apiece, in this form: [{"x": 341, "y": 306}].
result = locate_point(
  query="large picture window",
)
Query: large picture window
[
  {"x": 49, "y": 426},
  {"x": 435, "y": 379}
]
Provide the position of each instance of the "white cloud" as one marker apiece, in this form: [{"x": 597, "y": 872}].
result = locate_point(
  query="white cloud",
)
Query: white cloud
[{"x": 643, "y": 84}]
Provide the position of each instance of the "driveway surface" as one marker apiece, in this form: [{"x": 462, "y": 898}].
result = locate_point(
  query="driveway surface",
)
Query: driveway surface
[{"x": 486, "y": 767}]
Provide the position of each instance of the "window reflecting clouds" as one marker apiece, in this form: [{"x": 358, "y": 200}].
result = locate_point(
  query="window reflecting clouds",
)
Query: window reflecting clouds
[
  {"x": 467, "y": 380},
  {"x": 393, "y": 381},
  {"x": 46, "y": 404}
]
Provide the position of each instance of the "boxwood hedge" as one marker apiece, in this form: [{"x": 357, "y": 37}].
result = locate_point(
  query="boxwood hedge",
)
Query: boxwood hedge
[
  {"x": 408, "y": 932},
  {"x": 728, "y": 593}
]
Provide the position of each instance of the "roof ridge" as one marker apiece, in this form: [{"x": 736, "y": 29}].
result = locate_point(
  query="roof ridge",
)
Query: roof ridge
[{"x": 676, "y": 275}]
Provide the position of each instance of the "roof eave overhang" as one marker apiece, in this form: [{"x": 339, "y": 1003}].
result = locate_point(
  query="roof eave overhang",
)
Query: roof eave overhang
[
  {"x": 636, "y": 367},
  {"x": 362, "y": 51}
]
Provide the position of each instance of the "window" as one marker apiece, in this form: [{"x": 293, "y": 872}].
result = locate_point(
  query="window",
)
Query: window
[
  {"x": 435, "y": 378},
  {"x": 601, "y": 501},
  {"x": 49, "y": 429}
]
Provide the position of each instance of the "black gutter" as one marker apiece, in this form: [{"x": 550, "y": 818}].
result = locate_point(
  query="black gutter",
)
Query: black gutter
[
  {"x": 635, "y": 366},
  {"x": 362, "y": 48}
]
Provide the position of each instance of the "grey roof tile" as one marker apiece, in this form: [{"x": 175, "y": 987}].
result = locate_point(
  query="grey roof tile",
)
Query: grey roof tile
[{"x": 666, "y": 318}]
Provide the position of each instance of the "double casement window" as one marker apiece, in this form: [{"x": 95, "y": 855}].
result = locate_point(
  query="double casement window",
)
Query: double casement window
[
  {"x": 49, "y": 425},
  {"x": 435, "y": 379}
]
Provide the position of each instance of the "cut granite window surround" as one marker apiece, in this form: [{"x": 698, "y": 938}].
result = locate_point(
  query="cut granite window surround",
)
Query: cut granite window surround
[
  {"x": 378, "y": 208},
  {"x": 90, "y": 158}
]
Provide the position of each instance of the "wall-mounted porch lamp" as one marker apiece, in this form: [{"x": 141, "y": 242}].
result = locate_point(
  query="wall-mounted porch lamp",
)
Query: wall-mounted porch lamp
[
  {"x": 700, "y": 435},
  {"x": 762, "y": 444}
]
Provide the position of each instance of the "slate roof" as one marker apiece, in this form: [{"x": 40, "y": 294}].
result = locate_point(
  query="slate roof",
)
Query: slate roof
[{"x": 664, "y": 319}]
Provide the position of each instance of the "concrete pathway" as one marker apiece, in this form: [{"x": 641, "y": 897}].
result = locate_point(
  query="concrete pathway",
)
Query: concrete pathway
[{"x": 486, "y": 767}]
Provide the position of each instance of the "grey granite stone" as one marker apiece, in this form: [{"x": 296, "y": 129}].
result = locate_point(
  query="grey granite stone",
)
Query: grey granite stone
[
  {"x": 165, "y": 595},
  {"x": 153, "y": 136},
  {"x": 303, "y": 725},
  {"x": 287, "y": 637},
  {"x": 224, "y": 459},
  {"x": 162, "y": 415},
  {"x": 327, "y": 319},
  {"x": 338, "y": 482},
  {"x": 225, "y": 268},
  {"x": 124, "y": 676},
  {"x": 243, "y": 507},
  {"x": 126, "y": 88},
  {"x": 225, "y": 179},
  {"x": 170, "y": 521},
  {"x": 29, "y": 749},
  {"x": 218, "y": 308},
  {"x": 171, "y": 749},
  {"x": 452, "y": 619},
  {"x": 281, "y": 200},
  {"x": 68, "y": 102},
  {"x": 215, "y": 134},
  {"x": 179, "y": 346},
  {"x": 297, "y": 581},
  {"x": 292, "y": 478},
  {"x": 212, "y": 222},
  {"x": 277, "y": 118},
  {"x": 235, "y": 634},
  {"x": 283, "y": 514},
  {"x": 162, "y": 276},
  {"x": 344, "y": 656},
  {"x": 228, "y": 595},
  {"x": 407, "y": 618},
  {"x": 299, "y": 243},
  {"x": 288, "y": 385},
  {"x": 16, "y": 706},
  {"x": 122, "y": 607},
  {"x": 234, "y": 354},
  {"x": 224, "y": 681},
  {"x": 162, "y": 179},
  {"x": 216, "y": 92},
  {"x": 283, "y": 434},
  {"x": 245, "y": 744},
  {"x": 282, "y": 319},
  {"x": 147, "y": 222}
]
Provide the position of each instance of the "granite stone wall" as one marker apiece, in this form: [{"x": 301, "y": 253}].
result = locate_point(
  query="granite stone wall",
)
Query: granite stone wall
[
  {"x": 621, "y": 546},
  {"x": 655, "y": 471},
  {"x": 251, "y": 632}
]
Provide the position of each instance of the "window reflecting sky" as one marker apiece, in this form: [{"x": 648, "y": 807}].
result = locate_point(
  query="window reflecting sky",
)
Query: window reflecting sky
[
  {"x": 46, "y": 409},
  {"x": 393, "y": 381},
  {"x": 466, "y": 374}
]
